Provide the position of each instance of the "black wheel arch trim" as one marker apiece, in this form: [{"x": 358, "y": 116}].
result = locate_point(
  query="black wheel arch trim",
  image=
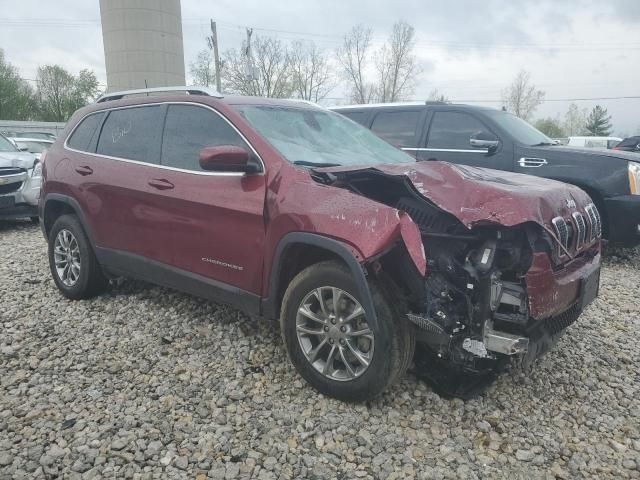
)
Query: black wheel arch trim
[
  {"x": 270, "y": 302},
  {"x": 71, "y": 202}
]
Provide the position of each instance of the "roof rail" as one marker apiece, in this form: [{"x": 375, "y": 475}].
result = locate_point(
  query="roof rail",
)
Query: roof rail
[
  {"x": 308, "y": 102},
  {"x": 141, "y": 91},
  {"x": 389, "y": 104}
]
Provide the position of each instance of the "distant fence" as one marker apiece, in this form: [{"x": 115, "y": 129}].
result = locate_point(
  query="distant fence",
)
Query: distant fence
[{"x": 10, "y": 127}]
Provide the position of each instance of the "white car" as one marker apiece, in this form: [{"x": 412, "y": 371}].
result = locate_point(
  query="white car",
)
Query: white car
[
  {"x": 594, "y": 142},
  {"x": 20, "y": 178},
  {"x": 32, "y": 145}
]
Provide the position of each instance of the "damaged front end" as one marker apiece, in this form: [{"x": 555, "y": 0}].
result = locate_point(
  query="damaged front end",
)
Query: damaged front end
[{"x": 489, "y": 293}]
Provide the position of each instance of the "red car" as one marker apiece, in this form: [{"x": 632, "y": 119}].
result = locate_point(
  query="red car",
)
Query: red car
[{"x": 286, "y": 210}]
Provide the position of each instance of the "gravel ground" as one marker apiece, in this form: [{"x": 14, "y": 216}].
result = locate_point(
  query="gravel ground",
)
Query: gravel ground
[{"x": 144, "y": 382}]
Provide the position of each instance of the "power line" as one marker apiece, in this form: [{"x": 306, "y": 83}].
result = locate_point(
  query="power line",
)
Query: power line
[
  {"x": 35, "y": 81},
  {"x": 560, "y": 99},
  {"x": 579, "y": 46},
  {"x": 456, "y": 100}
]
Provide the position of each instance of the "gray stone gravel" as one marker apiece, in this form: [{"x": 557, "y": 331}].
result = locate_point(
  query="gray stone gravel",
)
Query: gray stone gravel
[{"x": 144, "y": 382}]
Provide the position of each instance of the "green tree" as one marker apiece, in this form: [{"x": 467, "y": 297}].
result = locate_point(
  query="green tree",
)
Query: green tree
[
  {"x": 17, "y": 100},
  {"x": 599, "y": 122},
  {"x": 60, "y": 93},
  {"x": 550, "y": 127}
]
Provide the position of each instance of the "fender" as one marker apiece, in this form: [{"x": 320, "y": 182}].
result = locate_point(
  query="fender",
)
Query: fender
[
  {"x": 71, "y": 202},
  {"x": 334, "y": 246}
]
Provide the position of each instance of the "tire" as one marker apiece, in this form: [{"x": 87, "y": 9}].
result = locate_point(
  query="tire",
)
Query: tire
[
  {"x": 390, "y": 347},
  {"x": 89, "y": 279},
  {"x": 34, "y": 220}
]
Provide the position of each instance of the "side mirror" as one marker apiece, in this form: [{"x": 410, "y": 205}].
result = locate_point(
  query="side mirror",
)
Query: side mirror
[
  {"x": 228, "y": 158},
  {"x": 484, "y": 140}
]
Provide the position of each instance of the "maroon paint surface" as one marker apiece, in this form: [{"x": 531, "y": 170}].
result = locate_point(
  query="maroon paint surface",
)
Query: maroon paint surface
[{"x": 181, "y": 218}]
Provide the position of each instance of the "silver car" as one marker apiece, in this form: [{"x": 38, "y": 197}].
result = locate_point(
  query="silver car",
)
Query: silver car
[{"x": 20, "y": 177}]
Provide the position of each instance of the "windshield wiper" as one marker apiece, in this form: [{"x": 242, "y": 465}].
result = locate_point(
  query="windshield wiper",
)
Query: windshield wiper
[
  {"x": 316, "y": 164},
  {"x": 545, "y": 144}
]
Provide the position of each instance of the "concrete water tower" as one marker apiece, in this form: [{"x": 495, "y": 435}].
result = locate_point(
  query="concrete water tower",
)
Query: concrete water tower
[{"x": 142, "y": 43}]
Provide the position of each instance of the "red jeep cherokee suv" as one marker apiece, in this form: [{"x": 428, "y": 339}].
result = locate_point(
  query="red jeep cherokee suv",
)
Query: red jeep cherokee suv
[{"x": 287, "y": 210}]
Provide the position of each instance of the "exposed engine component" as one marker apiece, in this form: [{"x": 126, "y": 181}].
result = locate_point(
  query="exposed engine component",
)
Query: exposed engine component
[
  {"x": 471, "y": 308},
  {"x": 503, "y": 342}
]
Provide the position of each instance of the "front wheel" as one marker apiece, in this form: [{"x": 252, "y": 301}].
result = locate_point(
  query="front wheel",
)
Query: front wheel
[
  {"x": 73, "y": 264},
  {"x": 330, "y": 341}
]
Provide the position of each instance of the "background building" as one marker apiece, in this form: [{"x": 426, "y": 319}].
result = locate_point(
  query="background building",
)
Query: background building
[{"x": 142, "y": 43}]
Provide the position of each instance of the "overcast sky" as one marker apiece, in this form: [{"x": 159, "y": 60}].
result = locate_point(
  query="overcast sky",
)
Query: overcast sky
[{"x": 469, "y": 50}]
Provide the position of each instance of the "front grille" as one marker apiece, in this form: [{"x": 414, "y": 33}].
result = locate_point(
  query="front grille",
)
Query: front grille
[
  {"x": 594, "y": 220},
  {"x": 4, "y": 171},
  {"x": 560, "y": 322},
  {"x": 581, "y": 229},
  {"x": 562, "y": 230},
  {"x": 10, "y": 188}
]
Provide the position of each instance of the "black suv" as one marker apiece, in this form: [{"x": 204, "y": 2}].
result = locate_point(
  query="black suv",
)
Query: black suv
[{"x": 486, "y": 137}]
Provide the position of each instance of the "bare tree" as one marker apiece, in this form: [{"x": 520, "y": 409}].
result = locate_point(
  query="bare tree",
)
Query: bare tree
[
  {"x": 396, "y": 64},
  {"x": 522, "y": 97},
  {"x": 311, "y": 72},
  {"x": 202, "y": 69},
  {"x": 575, "y": 120},
  {"x": 266, "y": 74},
  {"x": 353, "y": 56},
  {"x": 437, "y": 96}
]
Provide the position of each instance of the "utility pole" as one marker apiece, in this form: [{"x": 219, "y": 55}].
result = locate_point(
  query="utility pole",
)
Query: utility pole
[
  {"x": 213, "y": 43},
  {"x": 249, "y": 70}
]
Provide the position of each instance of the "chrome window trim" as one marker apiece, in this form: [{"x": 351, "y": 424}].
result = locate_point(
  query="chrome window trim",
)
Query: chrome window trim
[
  {"x": 454, "y": 150},
  {"x": 165, "y": 167}
]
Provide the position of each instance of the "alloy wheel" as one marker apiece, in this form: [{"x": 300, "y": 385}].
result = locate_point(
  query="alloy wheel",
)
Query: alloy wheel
[
  {"x": 333, "y": 333},
  {"x": 66, "y": 256}
]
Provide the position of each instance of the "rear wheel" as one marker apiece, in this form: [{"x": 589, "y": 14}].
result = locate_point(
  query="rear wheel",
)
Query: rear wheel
[
  {"x": 73, "y": 264},
  {"x": 330, "y": 340}
]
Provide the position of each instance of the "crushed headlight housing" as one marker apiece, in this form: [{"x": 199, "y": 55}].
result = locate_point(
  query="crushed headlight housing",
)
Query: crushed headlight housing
[
  {"x": 634, "y": 178},
  {"x": 37, "y": 170}
]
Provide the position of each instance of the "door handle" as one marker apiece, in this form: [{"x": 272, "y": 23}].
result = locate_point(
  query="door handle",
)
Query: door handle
[
  {"x": 161, "y": 184},
  {"x": 532, "y": 162},
  {"x": 84, "y": 170}
]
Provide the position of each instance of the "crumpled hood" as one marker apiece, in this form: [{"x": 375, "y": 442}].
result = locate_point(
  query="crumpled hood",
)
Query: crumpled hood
[
  {"x": 480, "y": 195},
  {"x": 17, "y": 159}
]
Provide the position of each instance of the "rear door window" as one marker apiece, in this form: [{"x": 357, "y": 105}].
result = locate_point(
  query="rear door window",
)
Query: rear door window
[
  {"x": 453, "y": 130},
  {"x": 84, "y": 134},
  {"x": 358, "y": 117},
  {"x": 397, "y": 128},
  {"x": 190, "y": 128},
  {"x": 133, "y": 134}
]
